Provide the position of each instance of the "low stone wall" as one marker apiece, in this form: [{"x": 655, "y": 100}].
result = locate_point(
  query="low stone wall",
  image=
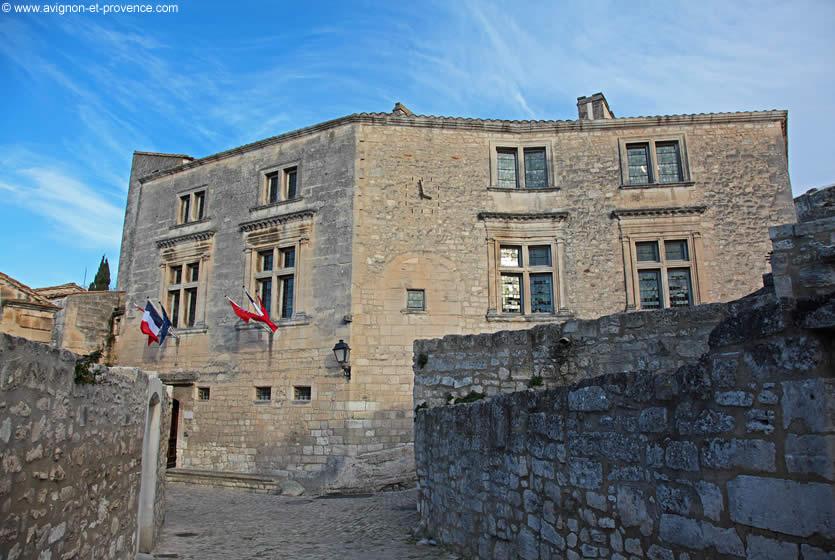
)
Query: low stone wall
[
  {"x": 560, "y": 354},
  {"x": 730, "y": 456},
  {"x": 815, "y": 204},
  {"x": 84, "y": 323},
  {"x": 72, "y": 453},
  {"x": 803, "y": 259}
]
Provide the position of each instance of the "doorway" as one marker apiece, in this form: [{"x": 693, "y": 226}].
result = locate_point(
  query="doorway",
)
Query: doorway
[{"x": 172, "y": 435}]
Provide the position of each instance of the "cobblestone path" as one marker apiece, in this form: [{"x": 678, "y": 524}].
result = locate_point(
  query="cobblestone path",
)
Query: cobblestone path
[{"x": 203, "y": 523}]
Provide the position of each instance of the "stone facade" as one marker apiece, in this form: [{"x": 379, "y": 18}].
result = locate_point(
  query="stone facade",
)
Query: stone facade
[
  {"x": 72, "y": 444},
  {"x": 24, "y": 312},
  {"x": 729, "y": 455},
  {"x": 86, "y": 322},
  {"x": 396, "y": 201}
]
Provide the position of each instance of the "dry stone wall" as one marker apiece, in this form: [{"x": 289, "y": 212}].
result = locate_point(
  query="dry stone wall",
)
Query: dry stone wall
[
  {"x": 71, "y": 455},
  {"x": 560, "y": 354},
  {"x": 728, "y": 457}
]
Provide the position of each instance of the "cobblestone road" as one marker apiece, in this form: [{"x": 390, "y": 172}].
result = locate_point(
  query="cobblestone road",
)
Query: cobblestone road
[{"x": 203, "y": 523}]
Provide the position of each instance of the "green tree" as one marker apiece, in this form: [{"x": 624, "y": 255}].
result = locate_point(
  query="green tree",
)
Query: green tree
[{"x": 101, "y": 283}]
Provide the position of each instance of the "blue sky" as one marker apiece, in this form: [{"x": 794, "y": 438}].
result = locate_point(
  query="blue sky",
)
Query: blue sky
[{"x": 81, "y": 92}]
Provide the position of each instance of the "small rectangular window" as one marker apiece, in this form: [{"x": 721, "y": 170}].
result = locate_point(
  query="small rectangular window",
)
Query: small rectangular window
[
  {"x": 203, "y": 393},
  {"x": 512, "y": 293},
  {"x": 288, "y": 257},
  {"x": 539, "y": 255},
  {"x": 506, "y": 166},
  {"x": 536, "y": 169},
  {"x": 266, "y": 260},
  {"x": 649, "y": 282},
  {"x": 185, "y": 209},
  {"x": 193, "y": 272},
  {"x": 199, "y": 205},
  {"x": 511, "y": 256},
  {"x": 647, "y": 251},
  {"x": 291, "y": 176},
  {"x": 287, "y": 286},
  {"x": 176, "y": 274},
  {"x": 263, "y": 394},
  {"x": 272, "y": 187},
  {"x": 265, "y": 292},
  {"x": 416, "y": 300},
  {"x": 174, "y": 306},
  {"x": 669, "y": 162},
  {"x": 638, "y": 161},
  {"x": 676, "y": 250},
  {"x": 302, "y": 393},
  {"x": 542, "y": 293},
  {"x": 678, "y": 283}
]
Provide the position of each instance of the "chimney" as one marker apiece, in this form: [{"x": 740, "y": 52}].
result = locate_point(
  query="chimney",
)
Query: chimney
[
  {"x": 401, "y": 110},
  {"x": 594, "y": 108}
]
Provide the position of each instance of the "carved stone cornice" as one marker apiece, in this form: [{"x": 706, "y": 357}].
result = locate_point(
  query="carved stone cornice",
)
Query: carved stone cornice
[
  {"x": 523, "y": 216},
  {"x": 262, "y": 223},
  {"x": 173, "y": 241},
  {"x": 650, "y": 212}
]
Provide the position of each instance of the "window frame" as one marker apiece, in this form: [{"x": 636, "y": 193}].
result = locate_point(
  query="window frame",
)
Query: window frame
[
  {"x": 269, "y": 390},
  {"x": 283, "y": 172},
  {"x": 188, "y": 199},
  {"x": 181, "y": 288},
  {"x": 525, "y": 271},
  {"x": 410, "y": 309},
  {"x": 663, "y": 266},
  {"x": 208, "y": 394},
  {"x": 653, "y": 171},
  {"x": 277, "y": 275},
  {"x": 297, "y": 400},
  {"x": 518, "y": 147}
]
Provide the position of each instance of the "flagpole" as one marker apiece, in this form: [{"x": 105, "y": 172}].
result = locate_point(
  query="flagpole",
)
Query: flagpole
[
  {"x": 249, "y": 297},
  {"x": 171, "y": 332}
]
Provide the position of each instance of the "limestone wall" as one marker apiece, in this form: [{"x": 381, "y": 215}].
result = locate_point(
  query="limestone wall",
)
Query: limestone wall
[
  {"x": 561, "y": 354},
  {"x": 728, "y": 457},
  {"x": 85, "y": 322},
  {"x": 71, "y": 455}
]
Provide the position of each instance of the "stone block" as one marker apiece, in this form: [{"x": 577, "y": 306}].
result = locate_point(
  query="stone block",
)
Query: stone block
[
  {"x": 734, "y": 398},
  {"x": 653, "y": 420},
  {"x": 811, "y": 454},
  {"x": 586, "y": 399},
  {"x": 746, "y": 454},
  {"x": 682, "y": 455},
  {"x": 584, "y": 473},
  {"x": 805, "y": 401},
  {"x": 762, "y": 548},
  {"x": 804, "y": 508}
]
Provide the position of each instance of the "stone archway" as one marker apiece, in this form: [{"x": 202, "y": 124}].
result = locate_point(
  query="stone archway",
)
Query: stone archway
[{"x": 146, "y": 524}]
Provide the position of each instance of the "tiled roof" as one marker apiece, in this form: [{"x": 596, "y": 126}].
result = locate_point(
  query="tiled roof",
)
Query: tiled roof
[
  {"x": 52, "y": 292},
  {"x": 35, "y": 297}
]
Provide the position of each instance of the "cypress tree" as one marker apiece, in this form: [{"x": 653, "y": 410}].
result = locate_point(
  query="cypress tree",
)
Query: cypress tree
[{"x": 101, "y": 283}]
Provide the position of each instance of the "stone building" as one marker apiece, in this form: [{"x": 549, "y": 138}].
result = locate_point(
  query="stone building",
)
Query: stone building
[
  {"x": 24, "y": 312},
  {"x": 382, "y": 228}
]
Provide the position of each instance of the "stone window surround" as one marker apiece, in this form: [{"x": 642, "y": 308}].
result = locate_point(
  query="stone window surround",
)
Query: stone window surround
[
  {"x": 662, "y": 224},
  {"x": 180, "y": 252},
  {"x": 198, "y": 393},
  {"x": 519, "y": 146},
  {"x": 191, "y": 192},
  {"x": 651, "y": 141},
  {"x": 302, "y": 402},
  {"x": 263, "y": 189},
  {"x": 414, "y": 310},
  {"x": 255, "y": 391},
  {"x": 279, "y": 234},
  {"x": 525, "y": 229}
]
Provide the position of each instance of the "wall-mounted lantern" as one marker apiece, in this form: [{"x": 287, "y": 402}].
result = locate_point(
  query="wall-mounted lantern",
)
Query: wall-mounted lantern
[{"x": 343, "y": 357}]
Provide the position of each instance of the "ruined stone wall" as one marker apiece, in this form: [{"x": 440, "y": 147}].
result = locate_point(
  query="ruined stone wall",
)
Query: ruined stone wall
[
  {"x": 561, "y": 354},
  {"x": 71, "y": 455},
  {"x": 85, "y": 321},
  {"x": 727, "y": 457}
]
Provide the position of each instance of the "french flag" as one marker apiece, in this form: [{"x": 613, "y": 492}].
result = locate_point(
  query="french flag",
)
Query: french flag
[{"x": 154, "y": 326}]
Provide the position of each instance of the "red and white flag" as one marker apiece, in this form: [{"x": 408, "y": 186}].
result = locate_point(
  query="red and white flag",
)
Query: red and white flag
[
  {"x": 242, "y": 313},
  {"x": 260, "y": 314}
]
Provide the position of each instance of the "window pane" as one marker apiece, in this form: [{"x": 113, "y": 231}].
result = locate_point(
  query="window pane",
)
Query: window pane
[
  {"x": 415, "y": 299},
  {"x": 679, "y": 285},
  {"x": 176, "y": 274},
  {"x": 676, "y": 250},
  {"x": 174, "y": 306},
  {"x": 199, "y": 205},
  {"x": 539, "y": 255},
  {"x": 185, "y": 209},
  {"x": 272, "y": 187},
  {"x": 263, "y": 393},
  {"x": 191, "y": 309},
  {"x": 287, "y": 286},
  {"x": 301, "y": 393},
  {"x": 265, "y": 292},
  {"x": 536, "y": 170},
  {"x": 541, "y": 293},
  {"x": 292, "y": 174},
  {"x": 511, "y": 256},
  {"x": 193, "y": 272},
  {"x": 203, "y": 393},
  {"x": 288, "y": 257},
  {"x": 266, "y": 258},
  {"x": 647, "y": 251},
  {"x": 650, "y": 287},
  {"x": 511, "y": 293},
  {"x": 669, "y": 162},
  {"x": 506, "y": 164},
  {"x": 638, "y": 162}
]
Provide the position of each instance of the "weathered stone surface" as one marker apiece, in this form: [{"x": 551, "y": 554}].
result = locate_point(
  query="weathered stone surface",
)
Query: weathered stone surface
[
  {"x": 804, "y": 508},
  {"x": 811, "y": 454},
  {"x": 762, "y": 548},
  {"x": 746, "y": 454},
  {"x": 588, "y": 399},
  {"x": 682, "y": 455}
]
